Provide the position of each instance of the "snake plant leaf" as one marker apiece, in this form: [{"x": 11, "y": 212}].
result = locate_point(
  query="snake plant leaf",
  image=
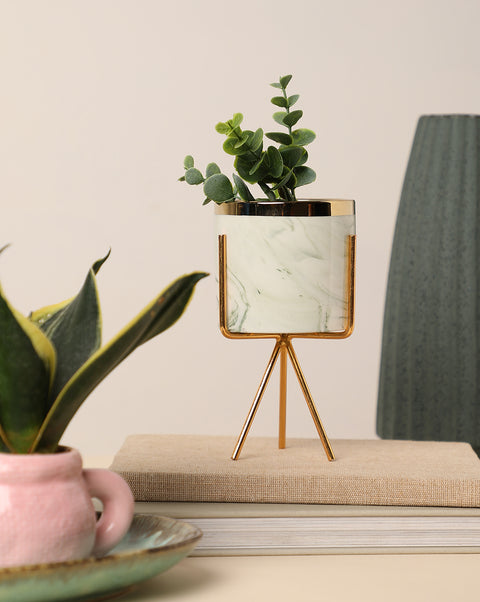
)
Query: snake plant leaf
[
  {"x": 40, "y": 316},
  {"x": 159, "y": 315},
  {"x": 74, "y": 329},
  {"x": 27, "y": 362},
  {"x": 75, "y": 332}
]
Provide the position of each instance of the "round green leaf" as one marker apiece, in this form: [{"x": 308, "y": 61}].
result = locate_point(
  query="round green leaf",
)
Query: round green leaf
[
  {"x": 304, "y": 175},
  {"x": 302, "y": 136},
  {"x": 280, "y": 116},
  {"x": 280, "y": 137},
  {"x": 292, "y": 155},
  {"x": 279, "y": 101},
  {"x": 292, "y": 99},
  {"x": 218, "y": 188},
  {"x": 193, "y": 176},
  {"x": 285, "y": 80},
  {"x": 188, "y": 162},
  {"x": 243, "y": 167},
  {"x": 236, "y": 120},
  {"x": 230, "y": 146},
  {"x": 275, "y": 160},
  {"x": 242, "y": 189},
  {"x": 256, "y": 140},
  {"x": 222, "y": 128},
  {"x": 212, "y": 168},
  {"x": 292, "y": 118}
]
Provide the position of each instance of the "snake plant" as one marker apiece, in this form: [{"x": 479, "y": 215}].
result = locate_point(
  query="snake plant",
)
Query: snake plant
[
  {"x": 278, "y": 171},
  {"x": 52, "y": 360}
]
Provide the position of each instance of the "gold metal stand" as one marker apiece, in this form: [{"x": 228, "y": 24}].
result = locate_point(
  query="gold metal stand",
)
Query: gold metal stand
[{"x": 284, "y": 348}]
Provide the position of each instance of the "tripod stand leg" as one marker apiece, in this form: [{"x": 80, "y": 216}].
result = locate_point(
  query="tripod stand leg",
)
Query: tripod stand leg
[
  {"x": 282, "y": 421},
  {"x": 256, "y": 401},
  {"x": 311, "y": 406}
]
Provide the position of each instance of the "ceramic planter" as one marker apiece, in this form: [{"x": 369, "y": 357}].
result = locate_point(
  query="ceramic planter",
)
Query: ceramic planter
[
  {"x": 286, "y": 264},
  {"x": 46, "y": 510}
]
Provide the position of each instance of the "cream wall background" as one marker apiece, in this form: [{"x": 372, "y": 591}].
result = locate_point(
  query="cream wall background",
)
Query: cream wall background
[{"x": 100, "y": 101}]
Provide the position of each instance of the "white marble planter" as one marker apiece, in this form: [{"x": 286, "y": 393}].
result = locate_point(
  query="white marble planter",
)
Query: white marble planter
[{"x": 286, "y": 265}]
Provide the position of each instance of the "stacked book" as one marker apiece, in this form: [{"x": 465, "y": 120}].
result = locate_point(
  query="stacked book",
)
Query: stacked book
[{"x": 377, "y": 496}]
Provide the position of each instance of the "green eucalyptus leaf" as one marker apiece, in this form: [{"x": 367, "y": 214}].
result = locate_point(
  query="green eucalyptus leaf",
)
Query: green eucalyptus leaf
[
  {"x": 236, "y": 120},
  {"x": 206, "y": 201},
  {"x": 288, "y": 173},
  {"x": 292, "y": 99},
  {"x": 212, "y": 168},
  {"x": 268, "y": 191},
  {"x": 259, "y": 164},
  {"x": 279, "y": 101},
  {"x": 280, "y": 117},
  {"x": 292, "y": 155},
  {"x": 242, "y": 141},
  {"x": 256, "y": 140},
  {"x": 193, "y": 176},
  {"x": 159, "y": 315},
  {"x": 292, "y": 118},
  {"x": 285, "y": 80},
  {"x": 275, "y": 160},
  {"x": 230, "y": 146},
  {"x": 280, "y": 137},
  {"x": 302, "y": 136},
  {"x": 276, "y": 85},
  {"x": 304, "y": 175},
  {"x": 222, "y": 128},
  {"x": 181, "y": 179},
  {"x": 218, "y": 188},
  {"x": 188, "y": 162},
  {"x": 243, "y": 167},
  {"x": 242, "y": 189}
]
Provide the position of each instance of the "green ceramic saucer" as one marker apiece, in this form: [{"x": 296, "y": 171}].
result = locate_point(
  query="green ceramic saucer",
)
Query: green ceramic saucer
[{"x": 152, "y": 545}]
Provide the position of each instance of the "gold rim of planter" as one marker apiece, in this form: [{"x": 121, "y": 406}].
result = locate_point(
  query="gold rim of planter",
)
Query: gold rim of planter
[{"x": 301, "y": 208}]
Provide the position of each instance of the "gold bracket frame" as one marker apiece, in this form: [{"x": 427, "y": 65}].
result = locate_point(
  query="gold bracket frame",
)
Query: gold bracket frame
[{"x": 284, "y": 348}]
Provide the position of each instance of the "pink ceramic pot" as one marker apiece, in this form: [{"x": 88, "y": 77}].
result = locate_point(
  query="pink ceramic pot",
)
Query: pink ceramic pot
[{"x": 46, "y": 510}]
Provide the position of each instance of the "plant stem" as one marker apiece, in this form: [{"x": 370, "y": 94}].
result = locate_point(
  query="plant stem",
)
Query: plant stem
[{"x": 287, "y": 108}]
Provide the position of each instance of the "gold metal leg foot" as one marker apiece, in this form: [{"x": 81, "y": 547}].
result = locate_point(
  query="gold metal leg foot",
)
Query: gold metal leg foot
[
  {"x": 256, "y": 401},
  {"x": 311, "y": 406}
]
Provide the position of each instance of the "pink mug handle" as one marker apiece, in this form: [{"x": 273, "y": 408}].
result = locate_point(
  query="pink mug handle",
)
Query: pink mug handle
[{"x": 117, "y": 500}]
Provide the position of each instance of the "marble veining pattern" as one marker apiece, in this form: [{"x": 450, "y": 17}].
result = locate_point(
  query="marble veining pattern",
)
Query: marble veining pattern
[{"x": 286, "y": 274}]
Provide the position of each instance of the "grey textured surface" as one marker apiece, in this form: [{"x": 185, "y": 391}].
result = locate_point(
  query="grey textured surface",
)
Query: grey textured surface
[{"x": 429, "y": 385}]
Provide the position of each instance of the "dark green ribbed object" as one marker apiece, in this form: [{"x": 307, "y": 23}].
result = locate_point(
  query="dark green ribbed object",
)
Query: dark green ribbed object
[{"x": 430, "y": 370}]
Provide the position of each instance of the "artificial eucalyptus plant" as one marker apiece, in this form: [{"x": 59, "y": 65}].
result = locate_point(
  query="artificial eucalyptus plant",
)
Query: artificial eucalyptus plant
[
  {"x": 51, "y": 360},
  {"x": 278, "y": 170}
]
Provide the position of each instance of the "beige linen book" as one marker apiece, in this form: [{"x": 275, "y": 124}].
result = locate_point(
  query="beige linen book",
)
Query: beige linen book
[{"x": 198, "y": 468}]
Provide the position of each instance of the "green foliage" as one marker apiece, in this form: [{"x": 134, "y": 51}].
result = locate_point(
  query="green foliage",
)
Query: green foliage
[
  {"x": 52, "y": 360},
  {"x": 278, "y": 171}
]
